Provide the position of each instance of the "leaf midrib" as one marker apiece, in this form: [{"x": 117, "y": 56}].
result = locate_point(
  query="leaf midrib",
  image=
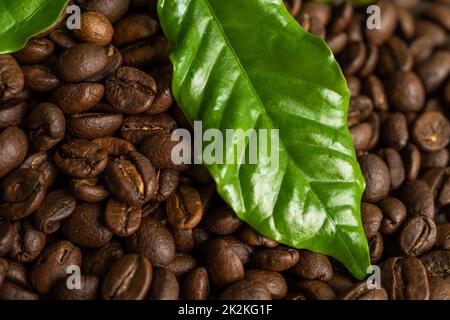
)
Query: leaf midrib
[{"x": 264, "y": 111}]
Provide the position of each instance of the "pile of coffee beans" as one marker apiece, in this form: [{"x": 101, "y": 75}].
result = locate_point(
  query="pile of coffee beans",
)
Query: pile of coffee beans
[{"x": 87, "y": 182}]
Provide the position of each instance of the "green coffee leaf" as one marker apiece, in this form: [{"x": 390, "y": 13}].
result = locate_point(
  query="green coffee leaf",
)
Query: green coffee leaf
[
  {"x": 20, "y": 20},
  {"x": 249, "y": 65}
]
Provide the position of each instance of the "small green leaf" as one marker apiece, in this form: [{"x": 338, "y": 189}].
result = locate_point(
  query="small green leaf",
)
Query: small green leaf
[
  {"x": 249, "y": 65},
  {"x": 20, "y": 20}
]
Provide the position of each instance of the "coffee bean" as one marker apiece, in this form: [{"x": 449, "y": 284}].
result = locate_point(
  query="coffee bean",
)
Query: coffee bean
[
  {"x": 223, "y": 264},
  {"x": 353, "y": 57},
  {"x": 87, "y": 291},
  {"x": 277, "y": 259},
  {"x": 361, "y": 135},
  {"x": 405, "y": 279},
  {"x": 164, "y": 285},
  {"x": 371, "y": 217},
  {"x": 22, "y": 192},
  {"x": 115, "y": 147},
  {"x": 417, "y": 236},
  {"x": 81, "y": 62},
  {"x": 184, "y": 208},
  {"x": 375, "y": 90},
  {"x": 437, "y": 263},
  {"x": 78, "y": 97},
  {"x": 406, "y": 23},
  {"x": 11, "y": 291},
  {"x": 354, "y": 85},
  {"x": 28, "y": 242},
  {"x": 431, "y": 131},
  {"x": 246, "y": 290},
  {"x": 153, "y": 241},
  {"x": 98, "y": 261},
  {"x": 94, "y": 27},
  {"x": 394, "y": 56},
  {"x": 395, "y": 131},
  {"x": 434, "y": 70},
  {"x": 133, "y": 28},
  {"x": 377, "y": 177},
  {"x": 253, "y": 238},
  {"x": 52, "y": 264},
  {"x": 412, "y": 160},
  {"x": 418, "y": 198},
  {"x": 12, "y": 79},
  {"x": 146, "y": 53},
  {"x": 136, "y": 128},
  {"x": 316, "y": 290},
  {"x": 313, "y": 266},
  {"x": 81, "y": 159},
  {"x": 376, "y": 247},
  {"x": 388, "y": 23},
  {"x": 182, "y": 264},
  {"x": 196, "y": 285},
  {"x": 129, "y": 278},
  {"x": 46, "y": 126},
  {"x": 86, "y": 226},
  {"x": 432, "y": 31},
  {"x": 62, "y": 38},
  {"x": 13, "y": 149},
  {"x": 7, "y": 235},
  {"x": 222, "y": 221},
  {"x": 121, "y": 219},
  {"x": 93, "y": 125},
  {"x": 88, "y": 190},
  {"x": 273, "y": 281},
  {"x": 167, "y": 184},
  {"x": 394, "y": 163},
  {"x": 439, "y": 13},
  {"x": 17, "y": 273},
  {"x": 111, "y": 9},
  {"x": 363, "y": 291},
  {"x": 444, "y": 194},
  {"x": 129, "y": 82},
  {"x": 115, "y": 61},
  {"x": 12, "y": 112},
  {"x": 131, "y": 179},
  {"x": 443, "y": 236},
  {"x": 40, "y": 78},
  {"x": 37, "y": 50},
  {"x": 406, "y": 92},
  {"x": 436, "y": 159},
  {"x": 439, "y": 289},
  {"x": 340, "y": 283},
  {"x": 394, "y": 214}
]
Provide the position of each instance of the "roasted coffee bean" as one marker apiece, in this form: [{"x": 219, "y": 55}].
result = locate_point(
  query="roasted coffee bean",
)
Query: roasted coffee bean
[
  {"x": 81, "y": 159},
  {"x": 421, "y": 48},
  {"x": 222, "y": 221},
  {"x": 434, "y": 178},
  {"x": 371, "y": 217},
  {"x": 111, "y": 9},
  {"x": 98, "y": 261},
  {"x": 223, "y": 263},
  {"x": 242, "y": 250},
  {"x": 246, "y": 290},
  {"x": 7, "y": 235},
  {"x": 153, "y": 241},
  {"x": 375, "y": 90},
  {"x": 62, "y": 38},
  {"x": 87, "y": 291},
  {"x": 40, "y": 161},
  {"x": 93, "y": 125},
  {"x": 182, "y": 264},
  {"x": 37, "y": 50},
  {"x": 340, "y": 283},
  {"x": 437, "y": 263},
  {"x": 12, "y": 112},
  {"x": 443, "y": 236},
  {"x": 406, "y": 92},
  {"x": 388, "y": 22},
  {"x": 164, "y": 286},
  {"x": 439, "y": 12},
  {"x": 394, "y": 214},
  {"x": 17, "y": 273},
  {"x": 12, "y": 291},
  {"x": 81, "y": 62},
  {"x": 196, "y": 285},
  {"x": 417, "y": 235},
  {"x": 129, "y": 278},
  {"x": 52, "y": 264},
  {"x": 88, "y": 190},
  {"x": 131, "y": 179},
  {"x": 184, "y": 208},
  {"x": 277, "y": 259},
  {"x": 46, "y": 126},
  {"x": 4, "y": 267},
  {"x": 167, "y": 183},
  {"x": 253, "y": 238},
  {"x": 123, "y": 220},
  {"x": 86, "y": 226},
  {"x": 354, "y": 85},
  {"x": 28, "y": 242},
  {"x": 361, "y": 135},
  {"x": 115, "y": 147},
  {"x": 394, "y": 163},
  {"x": 130, "y": 90},
  {"x": 394, "y": 56},
  {"x": 418, "y": 198},
  {"x": 153, "y": 51},
  {"x": 444, "y": 194},
  {"x": 436, "y": 159},
  {"x": 405, "y": 279},
  {"x": 395, "y": 131},
  {"x": 78, "y": 97},
  {"x": 40, "y": 78},
  {"x": 137, "y": 127},
  {"x": 337, "y": 42},
  {"x": 313, "y": 266},
  {"x": 11, "y": 78},
  {"x": 431, "y": 131},
  {"x": 363, "y": 291},
  {"x": 434, "y": 70},
  {"x": 115, "y": 61},
  {"x": 273, "y": 281},
  {"x": 94, "y": 27},
  {"x": 412, "y": 161},
  {"x": 22, "y": 192},
  {"x": 353, "y": 57},
  {"x": 377, "y": 177},
  {"x": 13, "y": 149},
  {"x": 57, "y": 206},
  {"x": 360, "y": 108},
  {"x": 376, "y": 247},
  {"x": 430, "y": 30},
  {"x": 134, "y": 28},
  {"x": 439, "y": 289},
  {"x": 406, "y": 23},
  {"x": 184, "y": 240},
  {"x": 316, "y": 290}
]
